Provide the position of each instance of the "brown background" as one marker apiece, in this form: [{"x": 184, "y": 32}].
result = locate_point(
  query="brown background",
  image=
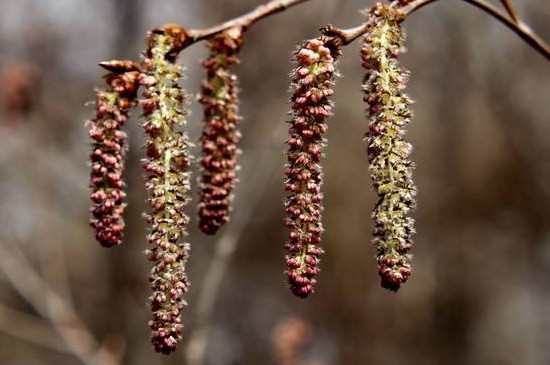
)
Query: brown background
[{"x": 480, "y": 290}]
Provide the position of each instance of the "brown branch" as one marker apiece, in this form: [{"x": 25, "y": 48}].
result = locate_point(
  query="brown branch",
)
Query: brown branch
[
  {"x": 244, "y": 21},
  {"x": 520, "y": 28},
  {"x": 511, "y": 10},
  {"x": 31, "y": 329}
]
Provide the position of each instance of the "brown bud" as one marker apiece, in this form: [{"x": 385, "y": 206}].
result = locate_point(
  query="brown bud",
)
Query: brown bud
[{"x": 119, "y": 67}]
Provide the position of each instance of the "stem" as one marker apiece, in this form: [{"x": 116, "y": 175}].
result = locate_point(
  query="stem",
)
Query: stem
[
  {"x": 246, "y": 20},
  {"x": 518, "y": 27},
  {"x": 511, "y": 10}
]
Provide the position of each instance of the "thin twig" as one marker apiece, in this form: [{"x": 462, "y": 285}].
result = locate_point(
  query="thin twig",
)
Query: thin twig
[
  {"x": 245, "y": 20},
  {"x": 511, "y": 10},
  {"x": 520, "y": 28},
  {"x": 31, "y": 329},
  {"x": 54, "y": 308}
]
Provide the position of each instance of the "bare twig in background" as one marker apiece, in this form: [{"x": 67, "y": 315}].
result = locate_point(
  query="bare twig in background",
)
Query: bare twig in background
[
  {"x": 521, "y": 29},
  {"x": 65, "y": 332},
  {"x": 46, "y": 162},
  {"x": 30, "y": 328},
  {"x": 52, "y": 307}
]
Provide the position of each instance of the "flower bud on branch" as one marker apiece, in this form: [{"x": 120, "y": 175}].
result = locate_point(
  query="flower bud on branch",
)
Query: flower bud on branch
[
  {"x": 388, "y": 111},
  {"x": 220, "y": 134},
  {"x": 312, "y": 83},
  {"x": 168, "y": 185}
]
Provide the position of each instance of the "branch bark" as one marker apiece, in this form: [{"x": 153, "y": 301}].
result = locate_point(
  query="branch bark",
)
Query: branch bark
[
  {"x": 246, "y": 20},
  {"x": 518, "y": 27},
  {"x": 511, "y": 10}
]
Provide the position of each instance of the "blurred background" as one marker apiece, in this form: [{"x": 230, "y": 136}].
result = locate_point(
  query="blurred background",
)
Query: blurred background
[{"x": 480, "y": 290}]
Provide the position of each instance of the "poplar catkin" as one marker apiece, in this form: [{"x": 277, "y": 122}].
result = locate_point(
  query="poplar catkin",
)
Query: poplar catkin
[
  {"x": 220, "y": 136},
  {"x": 312, "y": 87},
  {"x": 168, "y": 185},
  {"x": 388, "y": 112},
  {"x": 108, "y": 151}
]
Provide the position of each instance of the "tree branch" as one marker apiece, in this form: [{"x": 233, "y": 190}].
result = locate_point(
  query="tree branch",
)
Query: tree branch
[
  {"x": 31, "y": 329},
  {"x": 246, "y": 20},
  {"x": 511, "y": 10},
  {"x": 518, "y": 27}
]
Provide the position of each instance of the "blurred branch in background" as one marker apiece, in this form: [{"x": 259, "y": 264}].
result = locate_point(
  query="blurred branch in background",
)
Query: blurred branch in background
[
  {"x": 56, "y": 310},
  {"x": 58, "y": 326},
  {"x": 255, "y": 183}
]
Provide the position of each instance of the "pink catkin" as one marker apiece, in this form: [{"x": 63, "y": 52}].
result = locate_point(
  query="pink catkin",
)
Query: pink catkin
[
  {"x": 220, "y": 134},
  {"x": 107, "y": 155},
  {"x": 312, "y": 87}
]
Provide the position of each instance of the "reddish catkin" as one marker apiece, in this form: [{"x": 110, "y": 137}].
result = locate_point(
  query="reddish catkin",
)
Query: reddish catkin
[
  {"x": 312, "y": 88},
  {"x": 388, "y": 112},
  {"x": 168, "y": 185},
  {"x": 108, "y": 149},
  {"x": 220, "y": 100}
]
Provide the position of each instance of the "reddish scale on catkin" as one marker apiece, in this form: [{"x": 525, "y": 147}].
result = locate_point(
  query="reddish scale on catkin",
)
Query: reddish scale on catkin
[
  {"x": 220, "y": 134},
  {"x": 388, "y": 112},
  {"x": 168, "y": 185},
  {"x": 312, "y": 87},
  {"x": 108, "y": 149}
]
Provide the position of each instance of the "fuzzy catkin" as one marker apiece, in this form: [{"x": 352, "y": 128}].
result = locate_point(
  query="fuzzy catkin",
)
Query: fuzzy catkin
[
  {"x": 220, "y": 136},
  {"x": 108, "y": 149},
  {"x": 312, "y": 87},
  {"x": 168, "y": 185},
  {"x": 388, "y": 112}
]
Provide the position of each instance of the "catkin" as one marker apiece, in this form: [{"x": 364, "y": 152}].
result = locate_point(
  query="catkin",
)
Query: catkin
[
  {"x": 220, "y": 136},
  {"x": 108, "y": 148},
  {"x": 312, "y": 87},
  {"x": 168, "y": 185},
  {"x": 388, "y": 112}
]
